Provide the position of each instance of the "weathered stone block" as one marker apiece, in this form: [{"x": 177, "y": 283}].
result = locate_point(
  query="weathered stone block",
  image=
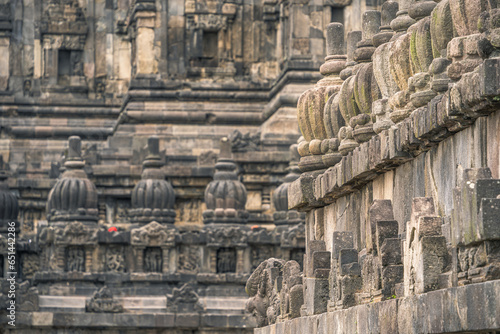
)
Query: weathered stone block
[
  {"x": 476, "y": 206},
  {"x": 296, "y": 300},
  {"x": 321, "y": 260},
  {"x": 189, "y": 320},
  {"x": 349, "y": 286},
  {"x": 435, "y": 259},
  {"x": 381, "y": 210},
  {"x": 391, "y": 275},
  {"x": 384, "y": 230},
  {"x": 390, "y": 252},
  {"x": 489, "y": 218},
  {"x": 348, "y": 256},
  {"x": 312, "y": 247},
  {"x": 341, "y": 240},
  {"x": 316, "y": 295},
  {"x": 353, "y": 269},
  {"x": 301, "y": 193}
]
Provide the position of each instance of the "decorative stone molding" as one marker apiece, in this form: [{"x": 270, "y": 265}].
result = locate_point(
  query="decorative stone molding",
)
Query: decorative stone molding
[
  {"x": 76, "y": 233},
  {"x": 227, "y": 236},
  {"x": 74, "y": 196},
  {"x": 319, "y": 120},
  {"x": 153, "y": 197},
  {"x": 103, "y": 302},
  {"x": 153, "y": 234},
  {"x": 184, "y": 299},
  {"x": 225, "y": 196}
]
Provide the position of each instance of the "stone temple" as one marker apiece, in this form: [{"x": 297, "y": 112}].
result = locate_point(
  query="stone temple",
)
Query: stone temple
[{"x": 235, "y": 166}]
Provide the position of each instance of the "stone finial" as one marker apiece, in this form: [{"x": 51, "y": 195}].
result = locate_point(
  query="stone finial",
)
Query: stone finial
[
  {"x": 388, "y": 13},
  {"x": 74, "y": 196},
  {"x": 153, "y": 146},
  {"x": 225, "y": 196},
  {"x": 402, "y": 21},
  {"x": 312, "y": 103},
  {"x": 153, "y": 197},
  {"x": 74, "y": 158},
  {"x": 353, "y": 38},
  {"x": 371, "y": 23},
  {"x": 225, "y": 149},
  {"x": 421, "y": 8},
  {"x": 335, "y": 39},
  {"x": 371, "y": 26},
  {"x": 283, "y": 216},
  {"x": 153, "y": 159},
  {"x": 335, "y": 60},
  {"x": 74, "y": 148}
]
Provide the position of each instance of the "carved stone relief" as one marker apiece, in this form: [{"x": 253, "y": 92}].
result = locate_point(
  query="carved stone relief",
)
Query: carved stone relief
[
  {"x": 153, "y": 234},
  {"x": 189, "y": 259},
  {"x": 226, "y": 260},
  {"x": 75, "y": 259},
  {"x": 153, "y": 260},
  {"x": 30, "y": 264},
  {"x": 115, "y": 259}
]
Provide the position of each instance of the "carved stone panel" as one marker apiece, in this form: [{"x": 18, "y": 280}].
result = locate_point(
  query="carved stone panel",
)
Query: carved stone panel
[
  {"x": 226, "y": 260},
  {"x": 103, "y": 301},
  {"x": 30, "y": 264},
  {"x": 189, "y": 259},
  {"x": 153, "y": 260},
  {"x": 75, "y": 259},
  {"x": 76, "y": 233},
  {"x": 115, "y": 259},
  {"x": 153, "y": 234},
  {"x": 223, "y": 236}
]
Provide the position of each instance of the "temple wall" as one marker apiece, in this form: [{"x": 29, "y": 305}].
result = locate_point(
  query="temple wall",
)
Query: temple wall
[{"x": 431, "y": 174}]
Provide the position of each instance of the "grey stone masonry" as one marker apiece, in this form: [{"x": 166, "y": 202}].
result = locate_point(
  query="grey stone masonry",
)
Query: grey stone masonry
[{"x": 409, "y": 212}]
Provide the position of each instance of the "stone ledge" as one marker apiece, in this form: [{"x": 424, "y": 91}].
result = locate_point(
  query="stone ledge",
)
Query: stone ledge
[
  {"x": 203, "y": 278},
  {"x": 426, "y": 127},
  {"x": 474, "y": 307},
  {"x": 34, "y": 320}
]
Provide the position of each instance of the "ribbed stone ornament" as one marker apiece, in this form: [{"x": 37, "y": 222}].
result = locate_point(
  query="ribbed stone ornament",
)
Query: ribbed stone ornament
[
  {"x": 283, "y": 216},
  {"x": 153, "y": 198},
  {"x": 74, "y": 196},
  {"x": 225, "y": 196}
]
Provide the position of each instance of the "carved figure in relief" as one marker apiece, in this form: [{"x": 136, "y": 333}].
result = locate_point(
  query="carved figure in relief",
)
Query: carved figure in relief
[
  {"x": 153, "y": 260},
  {"x": 226, "y": 260},
  {"x": 75, "y": 259},
  {"x": 188, "y": 259}
]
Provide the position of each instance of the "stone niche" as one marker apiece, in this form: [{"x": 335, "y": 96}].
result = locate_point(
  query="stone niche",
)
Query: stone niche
[
  {"x": 226, "y": 260},
  {"x": 75, "y": 259},
  {"x": 64, "y": 33},
  {"x": 210, "y": 31}
]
